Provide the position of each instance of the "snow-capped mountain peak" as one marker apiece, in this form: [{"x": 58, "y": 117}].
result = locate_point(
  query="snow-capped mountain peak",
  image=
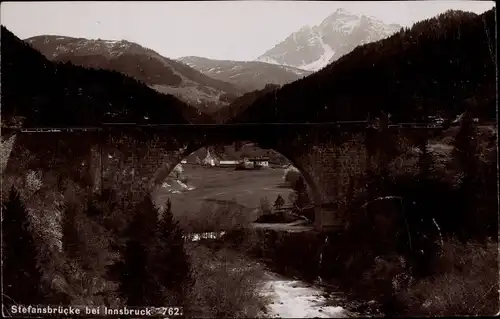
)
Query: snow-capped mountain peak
[
  {"x": 342, "y": 11},
  {"x": 306, "y": 28},
  {"x": 313, "y": 47}
]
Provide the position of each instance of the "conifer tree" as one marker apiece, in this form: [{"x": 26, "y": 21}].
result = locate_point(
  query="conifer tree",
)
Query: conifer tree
[
  {"x": 466, "y": 154},
  {"x": 136, "y": 282},
  {"x": 279, "y": 202},
  {"x": 70, "y": 239},
  {"x": 302, "y": 198},
  {"x": 425, "y": 160},
  {"x": 170, "y": 263},
  {"x": 133, "y": 274},
  {"x": 466, "y": 148},
  {"x": 21, "y": 276}
]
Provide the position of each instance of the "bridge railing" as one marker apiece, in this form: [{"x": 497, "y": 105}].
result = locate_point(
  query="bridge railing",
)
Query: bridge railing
[{"x": 121, "y": 126}]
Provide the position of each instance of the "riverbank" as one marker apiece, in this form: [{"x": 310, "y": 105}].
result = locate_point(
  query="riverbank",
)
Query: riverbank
[{"x": 300, "y": 255}]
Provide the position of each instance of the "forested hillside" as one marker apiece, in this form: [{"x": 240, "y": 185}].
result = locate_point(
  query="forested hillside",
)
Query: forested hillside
[
  {"x": 443, "y": 64},
  {"x": 230, "y": 111},
  {"x": 46, "y": 93},
  {"x": 160, "y": 73}
]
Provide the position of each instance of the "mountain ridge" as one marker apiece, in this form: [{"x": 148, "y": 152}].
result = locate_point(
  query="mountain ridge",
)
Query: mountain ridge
[
  {"x": 47, "y": 93},
  {"x": 313, "y": 47},
  {"x": 159, "y": 72},
  {"x": 249, "y": 75}
]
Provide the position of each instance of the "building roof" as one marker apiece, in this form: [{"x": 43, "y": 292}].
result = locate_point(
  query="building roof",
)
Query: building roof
[{"x": 258, "y": 159}]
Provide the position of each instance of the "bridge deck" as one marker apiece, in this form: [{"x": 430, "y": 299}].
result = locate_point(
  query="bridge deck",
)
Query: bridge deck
[{"x": 346, "y": 125}]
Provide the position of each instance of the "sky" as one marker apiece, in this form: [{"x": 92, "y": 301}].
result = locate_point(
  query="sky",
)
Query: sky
[{"x": 225, "y": 30}]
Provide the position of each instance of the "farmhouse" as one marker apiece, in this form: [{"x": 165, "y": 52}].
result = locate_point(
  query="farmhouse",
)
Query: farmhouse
[
  {"x": 227, "y": 163},
  {"x": 260, "y": 161},
  {"x": 253, "y": 163}
]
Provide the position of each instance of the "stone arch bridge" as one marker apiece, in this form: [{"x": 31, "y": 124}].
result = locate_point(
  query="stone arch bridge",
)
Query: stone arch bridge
[{"x": 330, "y": 156}]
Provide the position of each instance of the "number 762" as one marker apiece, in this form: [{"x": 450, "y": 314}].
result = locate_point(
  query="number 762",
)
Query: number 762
[{"x": 170, "y": 311}]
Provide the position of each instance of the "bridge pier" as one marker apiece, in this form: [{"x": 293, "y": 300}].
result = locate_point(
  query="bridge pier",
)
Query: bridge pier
[
  {"x": 318, "y": 220},
  {"x": 328, "y": 218}
]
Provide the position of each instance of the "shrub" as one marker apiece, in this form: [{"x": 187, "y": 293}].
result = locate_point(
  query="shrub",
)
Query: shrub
[
  {"x": 291, "y": 175},
  {"x": 465, "y": 283},
  {"x": 88, "y": 254},
  {"x": 177, "y": 171},
  {"x": 387, "y": 276},
  {"x": 302, "y": 198},
  {"x": 215, "y": 217},
  {"x": 294, "y": 178},
  {"x": 5, "y": 150},
  {"x": 106, "y": 209},
  {"x": 21, "y": 276},
  {"x": 224, "y": 285},
  {"x": 264, "y": 206}
]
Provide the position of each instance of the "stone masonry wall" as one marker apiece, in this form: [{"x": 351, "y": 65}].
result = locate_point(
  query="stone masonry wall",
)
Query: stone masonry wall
[{"x": 135, "y": 162}]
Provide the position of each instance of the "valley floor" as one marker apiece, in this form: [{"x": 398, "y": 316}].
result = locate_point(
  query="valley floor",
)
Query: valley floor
[{"x": 205, "y": 185}]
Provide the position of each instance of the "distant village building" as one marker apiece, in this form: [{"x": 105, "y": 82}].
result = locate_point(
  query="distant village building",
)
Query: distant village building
[
  {"x": 245, "y": 164},
  {"x": 262, "y": 161},
  {"x": 254, "y": 163},
  {"x": 232, "y": 159},
  {"x": 228, "y": 162}
]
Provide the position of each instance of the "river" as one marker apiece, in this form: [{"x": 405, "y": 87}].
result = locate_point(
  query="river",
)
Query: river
[{"x": 297, "y": 299}]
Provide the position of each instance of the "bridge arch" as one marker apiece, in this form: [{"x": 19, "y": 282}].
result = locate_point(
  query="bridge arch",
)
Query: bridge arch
[
  {"x": 326, "y": 157},
  {"x": 162, "y": 172}
]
